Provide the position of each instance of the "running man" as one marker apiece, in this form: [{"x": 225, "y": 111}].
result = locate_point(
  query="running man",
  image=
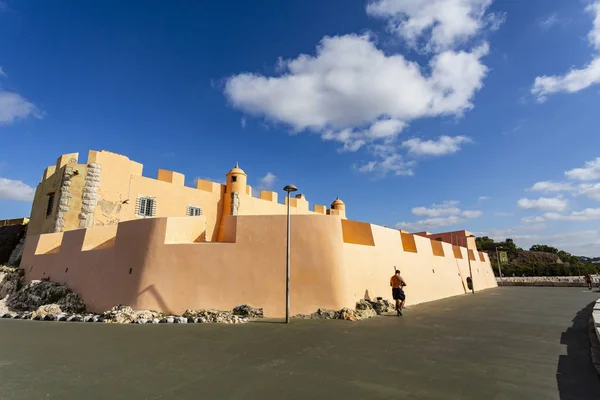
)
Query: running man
[
  {"x": 588, "y": 280},
  {"x": 397, "y": 283}
]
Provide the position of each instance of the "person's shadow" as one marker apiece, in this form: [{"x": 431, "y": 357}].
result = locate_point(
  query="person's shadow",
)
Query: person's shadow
[{"x": 576, "y": 375}]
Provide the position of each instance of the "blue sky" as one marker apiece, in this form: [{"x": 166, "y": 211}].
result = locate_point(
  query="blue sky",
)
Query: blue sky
[{"x": 428, "y": 114}]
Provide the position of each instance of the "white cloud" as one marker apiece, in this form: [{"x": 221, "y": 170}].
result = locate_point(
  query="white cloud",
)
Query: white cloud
[
  {"x": 350, "y": 83},
  {"x": 442, "y": 24},
  {"x": 243, "y": 122},
  {"x": 430, "y": 223},
  {"x": 13, "y": 107},
  {"x": 550, "y": 186},
  {"x": 544, "y": 203},
  {"x": 591, "y": 190},
  {"x": 442, "y": 146},
  {"x": 533, "y": 219},
  {"x": 472, "y": 214},
  {"x": 549, "y": 21},
  {"x": 353, "y": 140},
  {"x": 389, "y": 163},
  {"x": 587, "y": 214},
  {"x": 352, "y": 92},
  {"x": 590, "y": 172},
  {"x": 15, "y": 190},
  {"x": 594, "y": 35},
  {"x": 483, "y": 198},
  {"x": 576, "y": 79},
  {"x": 267, "y": 181},
  {"x": 438, "y": 210},
  {"x": 444, "y": 214}
]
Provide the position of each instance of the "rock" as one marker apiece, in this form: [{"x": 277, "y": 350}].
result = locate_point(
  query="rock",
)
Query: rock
[
  {"x": 98, "y": 318},
  {"x": 141, "y": 321},
  {"x": 62, "y": 317},
  {"x": 170, "y": 320},
  {"x": 364, "y": 309},
  {"x": 5, "y": 315},
  {"x": 16, "y": 316},
  {"x": 39, "y": 293},
  {"x": 75, "y": 318},
  {"x": 88, "y": 318},
  {"x": 380, "y": 306},
  {"x": 49, "y": 317},
  {"x": 126, "y": 315},
  {"x": 163, "y": 321},
  {"x": 11, "y": 281},
  {"x": 247, "y": 311},
  {"x": 191, "y": 320},
  {"x": 181, "y": 320},
  {"x": 47, "y": 310},
  {"x": 214, "y": 316},
  {"x": 155, "y": 321}
]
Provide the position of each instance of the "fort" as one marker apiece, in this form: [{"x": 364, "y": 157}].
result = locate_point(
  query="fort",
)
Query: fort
[{"x": 117, "y": 237}]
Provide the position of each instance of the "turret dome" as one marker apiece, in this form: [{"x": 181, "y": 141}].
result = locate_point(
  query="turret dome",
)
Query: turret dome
[
  {"x": 337, "y": 202},
  {"x": 236, "y": 170}
]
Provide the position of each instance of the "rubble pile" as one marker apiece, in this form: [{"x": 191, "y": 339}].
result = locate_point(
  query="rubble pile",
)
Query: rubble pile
[
  {"x": 364, "y": 309},
  {"x": 38, "y": 293}
]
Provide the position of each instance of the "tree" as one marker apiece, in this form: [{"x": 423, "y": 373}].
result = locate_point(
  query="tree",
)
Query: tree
[
  {"x": 544, "y": 248},
  {"x": 485, "y": 244}
]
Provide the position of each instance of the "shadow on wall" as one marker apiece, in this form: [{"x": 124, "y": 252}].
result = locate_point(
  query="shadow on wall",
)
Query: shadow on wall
[
  {"x": 576, "y": 375},
  {"x": 157, "y": 296}
]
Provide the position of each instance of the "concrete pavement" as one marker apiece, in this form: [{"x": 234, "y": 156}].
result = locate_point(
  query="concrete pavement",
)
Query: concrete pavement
[{"x": 505, "y": 343}]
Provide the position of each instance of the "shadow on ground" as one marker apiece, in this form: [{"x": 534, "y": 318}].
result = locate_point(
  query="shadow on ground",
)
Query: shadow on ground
[{"x": 576, "y": 375}]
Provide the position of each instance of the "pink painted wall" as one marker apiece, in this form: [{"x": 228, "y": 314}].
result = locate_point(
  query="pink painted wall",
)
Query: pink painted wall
[{"x": 170, "y": 272}]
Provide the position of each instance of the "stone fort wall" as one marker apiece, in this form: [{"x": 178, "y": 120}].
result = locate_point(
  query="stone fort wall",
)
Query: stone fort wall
[{"x": 165, "y": 264}]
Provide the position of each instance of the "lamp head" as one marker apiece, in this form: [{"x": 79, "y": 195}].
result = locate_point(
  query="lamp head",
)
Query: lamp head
[{"x": 290, "y": 188}]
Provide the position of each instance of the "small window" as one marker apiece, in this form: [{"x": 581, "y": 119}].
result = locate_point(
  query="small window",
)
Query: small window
[
  {"x": 50, "y": 205},
  {"x": 234, "y": 179},
  {"x": 146, "y": 207},
  {"x": 194, "y": 211}
]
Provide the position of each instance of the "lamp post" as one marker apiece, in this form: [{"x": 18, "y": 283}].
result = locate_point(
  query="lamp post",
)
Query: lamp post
[
  {"x": 469, "y": 259},
  {"x": 499, "y": 267},
  {"x": 288, "y": 189}
]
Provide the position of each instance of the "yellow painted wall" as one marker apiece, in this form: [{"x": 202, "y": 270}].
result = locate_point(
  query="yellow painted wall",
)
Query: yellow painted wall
[
  {"x": 357, "y": 233},
  {"x": 408, "y": 242},
  {"x": 39, "y": 223},
  {"x": 437, "y": 248},
  {"x": 155, "y": 263}
]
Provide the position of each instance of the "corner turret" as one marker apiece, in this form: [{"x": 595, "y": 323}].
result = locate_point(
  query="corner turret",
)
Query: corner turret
[
  {"x": 338, "y": 207},
  {"x": 236, "y": 180}
]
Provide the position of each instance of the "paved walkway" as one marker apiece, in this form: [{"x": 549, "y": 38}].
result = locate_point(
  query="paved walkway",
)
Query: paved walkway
[{"x": 506, "y": 343}]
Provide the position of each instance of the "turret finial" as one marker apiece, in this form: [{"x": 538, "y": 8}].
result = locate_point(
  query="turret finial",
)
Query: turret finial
[{"x": 236, "y": 164}]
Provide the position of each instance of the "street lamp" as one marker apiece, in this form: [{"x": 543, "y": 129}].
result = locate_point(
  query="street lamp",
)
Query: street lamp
[
  {"x": 288, "y": 189},
  {"x": 469, "y": 259}
]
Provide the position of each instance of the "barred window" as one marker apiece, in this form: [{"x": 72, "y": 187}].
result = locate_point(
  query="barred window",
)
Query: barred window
[
  {"x": 145, "y": 206},
  {"x": 50, "y": 205},
  {"x": 194, "y": 211}
]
